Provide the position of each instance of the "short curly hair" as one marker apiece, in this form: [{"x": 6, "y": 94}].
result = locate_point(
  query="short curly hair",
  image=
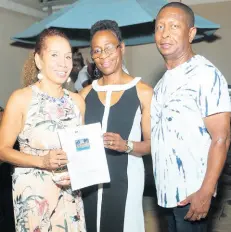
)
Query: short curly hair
[{"x": 103, "y": 25}]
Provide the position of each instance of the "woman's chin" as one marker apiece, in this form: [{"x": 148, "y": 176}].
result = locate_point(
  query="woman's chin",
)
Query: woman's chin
[
  {"x": 108, "y": 72},
  {"x": 60, "y": 81}
]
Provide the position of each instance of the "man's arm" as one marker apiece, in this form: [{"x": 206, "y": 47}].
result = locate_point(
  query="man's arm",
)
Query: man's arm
[
  {"x": 214, "y": 105},
  {"x": 218, "y": 126}
]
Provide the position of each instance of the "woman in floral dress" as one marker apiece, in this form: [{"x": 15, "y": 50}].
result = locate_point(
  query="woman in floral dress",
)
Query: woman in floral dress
[{"x": 33, "y": 115}]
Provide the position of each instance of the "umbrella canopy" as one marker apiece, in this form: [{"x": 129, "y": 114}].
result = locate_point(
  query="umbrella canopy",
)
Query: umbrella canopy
[{"x": 135, "y": 18}]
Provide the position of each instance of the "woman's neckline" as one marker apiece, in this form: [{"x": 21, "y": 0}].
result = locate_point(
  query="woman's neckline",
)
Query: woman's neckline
[
  {"x": 116, "y": 87},
  {"x": 46, "y": 94}
]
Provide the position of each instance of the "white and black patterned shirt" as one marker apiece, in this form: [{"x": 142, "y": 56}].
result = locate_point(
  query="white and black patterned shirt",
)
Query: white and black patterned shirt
[{"x": 180, "y": 141}]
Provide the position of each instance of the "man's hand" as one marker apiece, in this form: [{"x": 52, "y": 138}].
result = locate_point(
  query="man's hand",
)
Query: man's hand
[{"x": 200, "y": 202}]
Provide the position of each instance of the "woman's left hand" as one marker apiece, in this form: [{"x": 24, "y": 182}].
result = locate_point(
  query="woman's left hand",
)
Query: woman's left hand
[
  {"x": 65, "y": 181},
  {"x": 114, "y": 141}
]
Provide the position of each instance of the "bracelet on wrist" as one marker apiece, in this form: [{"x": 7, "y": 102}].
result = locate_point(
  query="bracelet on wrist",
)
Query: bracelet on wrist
[{"x": 130, "y": 146}]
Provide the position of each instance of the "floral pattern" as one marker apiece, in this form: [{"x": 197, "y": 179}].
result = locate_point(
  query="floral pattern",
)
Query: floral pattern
[
  {"x": 39, "y": 204},
  {"x": 180, "y": 141}
]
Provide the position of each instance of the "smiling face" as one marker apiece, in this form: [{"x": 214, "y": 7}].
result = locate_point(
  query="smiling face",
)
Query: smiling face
[
  {"x": 173, "y": 35},
  {"x": 55, "y": 60},
  {"x": 110, "y": 60}
]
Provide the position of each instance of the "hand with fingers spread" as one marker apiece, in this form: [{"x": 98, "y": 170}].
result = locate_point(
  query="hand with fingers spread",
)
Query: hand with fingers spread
[
  {"x": 199, "y": 205},
  {"x": 114, "y": 141},
  {"x": 54, "y": 159}
]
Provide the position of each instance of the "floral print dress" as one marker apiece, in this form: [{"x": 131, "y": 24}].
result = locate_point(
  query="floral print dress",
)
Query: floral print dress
[{"x": 39, "y": 204}]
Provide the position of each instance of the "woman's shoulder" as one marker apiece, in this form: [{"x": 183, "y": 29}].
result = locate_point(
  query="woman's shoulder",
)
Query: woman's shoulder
[
  {"x": 76, "y": 96},
  {"x": 78, "y": 100},
  {"x": 144, "y": 87},
  {"x": 19, "y": 100},
  {"x": 144, "y": 91},
  {"x": 21, "y": 95},
  {"x": 85, "y": 91}
]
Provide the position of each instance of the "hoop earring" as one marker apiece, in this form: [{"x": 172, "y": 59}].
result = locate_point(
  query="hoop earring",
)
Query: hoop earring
[
  {"x": 40, "y": 76},
  {"x": 97, "y": 73}
]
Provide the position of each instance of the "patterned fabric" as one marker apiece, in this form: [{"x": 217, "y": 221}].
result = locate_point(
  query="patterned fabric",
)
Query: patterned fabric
[
  {"x": 180, "y": 140},
  {"x": 39, "y": 204}
]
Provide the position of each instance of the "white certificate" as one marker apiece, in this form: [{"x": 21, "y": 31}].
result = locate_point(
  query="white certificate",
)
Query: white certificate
[{"x": 86, "y": 155}]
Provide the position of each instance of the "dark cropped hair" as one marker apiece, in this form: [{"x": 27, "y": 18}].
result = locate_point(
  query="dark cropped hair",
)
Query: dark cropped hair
[
  {"x": 187, "y": 10},
  {"x": 103, "y": 25}
]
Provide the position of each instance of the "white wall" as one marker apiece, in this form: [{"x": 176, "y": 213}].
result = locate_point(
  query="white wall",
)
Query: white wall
[
  {"x": 12, "y": 58},
  {"x": 143, "y": 60}
]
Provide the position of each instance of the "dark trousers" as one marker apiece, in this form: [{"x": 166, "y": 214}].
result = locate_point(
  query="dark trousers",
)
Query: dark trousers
[
  {"x": 176, "y": 223},
  {"x": 6, "y": 202}
]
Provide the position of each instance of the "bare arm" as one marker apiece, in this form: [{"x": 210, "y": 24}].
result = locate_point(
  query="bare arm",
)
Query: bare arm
[
  {"x": 214, "y": 106},
  {"x": 218, "y": 126},
  {"x": 11, "y": 125},
  {"x": 79, "y": 101},
  {"x": 85, "y": 91},
  {"x": 145, "y": 93}
]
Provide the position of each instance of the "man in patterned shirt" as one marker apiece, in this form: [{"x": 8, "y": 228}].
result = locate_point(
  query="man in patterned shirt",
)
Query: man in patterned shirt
[{"x": 190, "y": 123}]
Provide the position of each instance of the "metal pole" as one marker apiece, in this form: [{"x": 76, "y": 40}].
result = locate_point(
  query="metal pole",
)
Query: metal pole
[{"x": 49, "y": 7}]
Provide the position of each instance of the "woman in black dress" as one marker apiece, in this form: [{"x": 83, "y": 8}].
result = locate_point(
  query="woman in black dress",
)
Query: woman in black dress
[{"x": 122, "y": 104}]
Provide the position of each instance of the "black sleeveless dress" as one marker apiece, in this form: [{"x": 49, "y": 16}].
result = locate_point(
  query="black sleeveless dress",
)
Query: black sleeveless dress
[{"x": 117, "y": 206}]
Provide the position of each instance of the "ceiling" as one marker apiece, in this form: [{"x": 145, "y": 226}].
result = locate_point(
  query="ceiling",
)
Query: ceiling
[
  {"x": 41, "y": 8},
  {"x": 195, "y": 2},
  {"x": 37, "y": 4},
  {"x": 40, "y": 4},
  {"x": 30, "y": 3}
]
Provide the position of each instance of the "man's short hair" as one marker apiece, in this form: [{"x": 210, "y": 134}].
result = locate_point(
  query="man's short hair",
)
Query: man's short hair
[{"x": 187, "y": 10}]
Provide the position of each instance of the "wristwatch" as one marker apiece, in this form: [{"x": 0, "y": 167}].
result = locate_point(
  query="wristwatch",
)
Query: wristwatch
[{"x": 130, "y": 146}]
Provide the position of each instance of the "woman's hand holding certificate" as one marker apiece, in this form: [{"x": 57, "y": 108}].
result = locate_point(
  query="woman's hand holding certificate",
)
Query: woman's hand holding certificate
[{"x": 86, "y": 155}]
